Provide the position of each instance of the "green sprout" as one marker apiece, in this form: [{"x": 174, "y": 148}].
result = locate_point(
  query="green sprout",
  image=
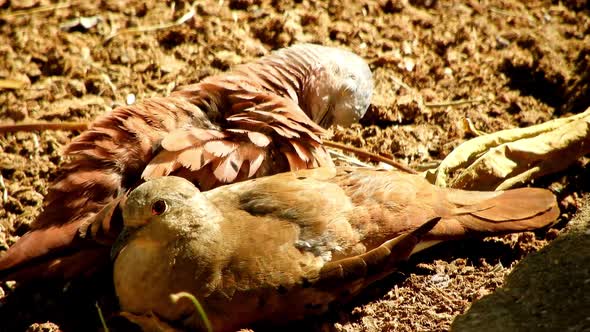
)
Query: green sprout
[{"x": 200, "y": 310}]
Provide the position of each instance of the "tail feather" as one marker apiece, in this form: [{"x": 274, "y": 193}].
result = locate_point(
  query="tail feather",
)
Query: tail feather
[
  {"x": 37, "y": 244},
  {"x": 502, "y": 212},
  {"x": 76, "y": 248},
  {"x": 61, "y": 266}
]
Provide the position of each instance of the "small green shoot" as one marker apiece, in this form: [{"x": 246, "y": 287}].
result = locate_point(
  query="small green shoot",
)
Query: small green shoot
[
  {"x": 102, "y": 321},
  {"x": 200, "y": 310}
]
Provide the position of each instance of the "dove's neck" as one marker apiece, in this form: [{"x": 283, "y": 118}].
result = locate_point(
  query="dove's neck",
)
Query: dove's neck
[
  {"x": 332, "y": 96},
  {"x": 331, "y": 85},
  {"x": 199, "y": 220},
  {"x": 317, "y": 99}
]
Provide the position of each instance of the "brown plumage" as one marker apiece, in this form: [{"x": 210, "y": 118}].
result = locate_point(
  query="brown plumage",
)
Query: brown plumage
[
  {"x": 286, "y": 246},
  {"x": 261, "y": 118}
]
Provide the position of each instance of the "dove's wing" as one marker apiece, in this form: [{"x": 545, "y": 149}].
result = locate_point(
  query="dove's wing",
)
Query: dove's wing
[
  {"x": 265, "y": 133},
  {"x": 341, "y": 240},
  {"x": 68, "y": 250},
  {"x": 395, "y": 202}
]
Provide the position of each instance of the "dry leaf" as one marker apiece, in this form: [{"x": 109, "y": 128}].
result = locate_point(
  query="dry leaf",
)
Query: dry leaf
[{"x": 511, "y": 157}]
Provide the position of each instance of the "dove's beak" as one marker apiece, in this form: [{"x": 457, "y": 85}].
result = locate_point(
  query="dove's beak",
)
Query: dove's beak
[
  {"x": 326, "y": 119},
  {"x": 121, "y": 241}
]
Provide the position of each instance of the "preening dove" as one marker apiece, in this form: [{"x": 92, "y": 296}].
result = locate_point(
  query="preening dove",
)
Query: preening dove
[
  {"x": 282, "y": 247},
  {"x": 260, "y": 118}
]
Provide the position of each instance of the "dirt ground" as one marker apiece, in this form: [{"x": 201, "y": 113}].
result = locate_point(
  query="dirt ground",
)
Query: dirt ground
[{"x": 500, "y": 63}]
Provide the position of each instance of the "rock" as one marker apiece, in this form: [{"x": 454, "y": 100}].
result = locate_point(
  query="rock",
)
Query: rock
[{"x": 547, "y": 291}]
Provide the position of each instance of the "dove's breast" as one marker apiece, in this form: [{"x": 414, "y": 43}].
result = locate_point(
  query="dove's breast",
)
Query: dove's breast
[{"x": 143, "y": 274}]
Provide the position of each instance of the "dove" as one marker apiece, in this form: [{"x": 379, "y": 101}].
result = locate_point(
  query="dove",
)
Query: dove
[
  {"x": 287, "y": 246},
  {"x": 260, "y": 118}
]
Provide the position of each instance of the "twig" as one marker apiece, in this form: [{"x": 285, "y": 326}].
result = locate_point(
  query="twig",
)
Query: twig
[
  {"x": 369, "y": 155},
  {"x": 401, "y": 83},
  {"x": 454, "y": 102},
  {"x": 36, "y": 147},
  {"x": 162, "y": 26},
  {"x": 40, "y": 126},
  {"x": 38, "y": 10},
  {"x": 4, "y": 190},
  {"x": 11, "y": 84},
  {"x": 337, "y": 155},
  {"x": 500, "y": 11},
  {"x": 107, "y": 79},
  {"x": 472, "y": 128}
]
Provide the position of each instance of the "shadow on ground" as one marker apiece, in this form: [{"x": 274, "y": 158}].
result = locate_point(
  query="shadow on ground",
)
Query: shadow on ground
[{"x": 547, "y": 291}]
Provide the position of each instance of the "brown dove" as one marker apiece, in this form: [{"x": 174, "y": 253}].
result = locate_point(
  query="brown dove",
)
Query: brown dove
[
  {"x": 258, "y": 119},
  {"x": 283, "y": 247}
]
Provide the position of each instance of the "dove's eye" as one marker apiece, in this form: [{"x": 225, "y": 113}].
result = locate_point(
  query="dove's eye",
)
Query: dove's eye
[{"x": 159, "y": 207}]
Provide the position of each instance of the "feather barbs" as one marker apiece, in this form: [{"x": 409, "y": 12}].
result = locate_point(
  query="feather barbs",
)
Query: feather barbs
[{"x": 237, "y": 153}]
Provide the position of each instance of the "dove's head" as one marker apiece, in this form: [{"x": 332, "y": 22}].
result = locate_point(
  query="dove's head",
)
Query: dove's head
[
  {"x": 343, "y": 89},
  {"x": 167, "y": 208}
]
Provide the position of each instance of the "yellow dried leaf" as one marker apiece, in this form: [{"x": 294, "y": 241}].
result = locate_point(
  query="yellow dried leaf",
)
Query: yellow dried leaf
[{"x": 510, "y": 157}]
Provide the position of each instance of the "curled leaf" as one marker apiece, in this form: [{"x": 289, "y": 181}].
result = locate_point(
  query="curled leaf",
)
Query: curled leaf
[{"x": 511, "y": 157}]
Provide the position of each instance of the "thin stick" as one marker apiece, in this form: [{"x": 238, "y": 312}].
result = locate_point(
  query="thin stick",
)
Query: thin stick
[
  {"x": 4, "y": 190},
  {"x": 190, "y": 14},
  {"x": 37, "y": 10},
  {"x": 337, "y": 154},
  {"x": 508, "y": 13},
  {"x": 472, "y": 128},
  {"x": 10, "y": 83},
  {"x": 369, "y": 155},
  {"x": 41, "y": 126},
  {"x": 401, "y": 83},
  {"x": 454, "y": 102}
]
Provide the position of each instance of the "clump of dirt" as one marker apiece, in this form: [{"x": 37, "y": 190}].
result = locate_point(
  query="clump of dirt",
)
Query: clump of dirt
[{"x": 500, "y": 63}]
